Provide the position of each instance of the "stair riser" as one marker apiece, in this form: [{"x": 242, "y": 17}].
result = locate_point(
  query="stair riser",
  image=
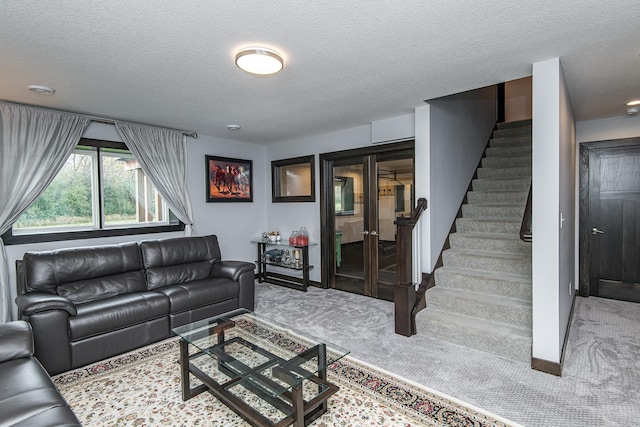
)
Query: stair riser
[
  {"x": 515, "y": 348},
  {"x": 511, "y": 141},
  {"x": 516, "y": 172},
  {"x": 515, "y": 124},
  {"x": 464, "y": 241},
  {"x": 519, "y": 197},
  {"x": 488, "y": 263},
  {"x": 471, "y": 225},
  {"x": 506, "y": 162},
  {"x": 523, "y": 130},
  {"x": 517, "y": 316},
  {"x": 511, "y": 184},
  {"x": 478, "y": 211},
  {"x": 508, "y": 151},
  {"x": 451, "y": 279}
]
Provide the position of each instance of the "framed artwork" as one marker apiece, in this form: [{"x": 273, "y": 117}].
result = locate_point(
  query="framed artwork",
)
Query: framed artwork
[{"x": 228, "y": 180}]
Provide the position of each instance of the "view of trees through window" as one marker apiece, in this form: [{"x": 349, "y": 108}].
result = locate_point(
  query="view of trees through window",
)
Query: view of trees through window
[{"x": 72, "y": 201}]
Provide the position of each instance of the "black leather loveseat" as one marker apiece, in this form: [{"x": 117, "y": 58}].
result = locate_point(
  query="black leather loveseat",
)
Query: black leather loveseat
[
  {"x": 87, "y": 304},
  {"x": 28, "y": 397}
]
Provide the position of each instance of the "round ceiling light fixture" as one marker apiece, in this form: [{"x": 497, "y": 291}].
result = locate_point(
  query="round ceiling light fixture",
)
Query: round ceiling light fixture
[
  {"x": 633, "y": 107},
  {"x": 41, "y": 90},
  {"x": 259, "y": 60},
  {"x": 233, "y": 127}
]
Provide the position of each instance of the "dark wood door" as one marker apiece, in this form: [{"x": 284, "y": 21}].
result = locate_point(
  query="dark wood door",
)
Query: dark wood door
[{"x": 614, "y": 223}]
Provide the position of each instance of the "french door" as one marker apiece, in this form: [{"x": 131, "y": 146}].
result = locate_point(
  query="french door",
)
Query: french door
[{"x": 363, "y": 192}]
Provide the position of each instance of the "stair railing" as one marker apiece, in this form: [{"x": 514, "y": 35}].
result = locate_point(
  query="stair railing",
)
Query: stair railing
[
  {"x": 404, "y": 295},
  {"x": 526, "y": 235}
]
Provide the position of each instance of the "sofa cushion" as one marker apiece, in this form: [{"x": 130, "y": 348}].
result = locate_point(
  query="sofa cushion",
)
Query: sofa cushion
[
  {"x": 198, "y": 293},
  {"x": 172, "y": 261},
  {"x": 46, "y": 271},
  {"x": 103, "y": 287},
  {"x": 117, "y": 312},
  {"x": 29, "y": 398}
]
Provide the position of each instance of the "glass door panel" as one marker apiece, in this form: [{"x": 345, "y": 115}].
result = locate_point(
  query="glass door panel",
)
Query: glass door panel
[
  {"x": 349, "y": 215},
  {"x": 395, "y": 198}
]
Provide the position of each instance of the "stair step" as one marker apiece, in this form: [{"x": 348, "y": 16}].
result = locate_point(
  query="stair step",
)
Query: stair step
[
  {"x": 506, "y": 162},
  {"x": 509, "y": 285},
  {"x": 489, "y": 242},
  {"x": 480, "y": 210},
  {"x": 511, "y": 141},
  {"x": 520, "y": 130},
  {"x": 515, "y": 151},
  {"x": 488, "y": 225},
  {"x": 490, "y": 307},
  {"x": 492, "y": 184},
  {"x": 519, "y": 197},
  {"x": 510, "y": 263},
  {"x": 507, "y": 341},
  {"x": 514, "y": 124},
  {"x": 512, "y": 172}
]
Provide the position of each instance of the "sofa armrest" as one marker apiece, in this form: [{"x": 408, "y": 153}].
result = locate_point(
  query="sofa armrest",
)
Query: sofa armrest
[
  {"x": 16, "y": 340},
  {"x": 231, "y": 269},
  {"x": 37, "y": 302}
]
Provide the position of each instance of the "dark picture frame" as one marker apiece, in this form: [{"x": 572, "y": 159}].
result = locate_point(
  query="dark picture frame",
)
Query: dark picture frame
[
  {"x": 228, "y": 180},
  {"x": 293, "y": 180}
]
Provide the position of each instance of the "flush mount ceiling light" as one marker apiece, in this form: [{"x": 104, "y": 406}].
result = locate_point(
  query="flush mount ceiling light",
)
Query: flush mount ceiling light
[
  {"x": 41, "y": 90},
  {"x": 233, "y": 127},
  {"x": 259, "y": 60}
]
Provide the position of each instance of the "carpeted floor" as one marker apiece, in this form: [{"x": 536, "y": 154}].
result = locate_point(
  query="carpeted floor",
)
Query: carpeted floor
[
  {"x": 600, "y": 385},
  {"x": 142, "y": 388}
]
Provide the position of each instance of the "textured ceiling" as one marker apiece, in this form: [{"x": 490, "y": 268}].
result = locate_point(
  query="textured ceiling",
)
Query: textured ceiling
[{"x": 170, "y": 63}]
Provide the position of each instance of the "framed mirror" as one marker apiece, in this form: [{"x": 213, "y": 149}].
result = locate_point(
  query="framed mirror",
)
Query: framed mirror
[{"x": 293, "y": 180}]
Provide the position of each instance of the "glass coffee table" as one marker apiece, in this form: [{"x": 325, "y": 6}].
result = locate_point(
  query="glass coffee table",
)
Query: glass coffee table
[{"x": 269, "y": 374}]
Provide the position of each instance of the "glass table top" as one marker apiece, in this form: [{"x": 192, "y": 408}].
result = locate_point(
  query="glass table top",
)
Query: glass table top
[{"x": 257, "y": 354}]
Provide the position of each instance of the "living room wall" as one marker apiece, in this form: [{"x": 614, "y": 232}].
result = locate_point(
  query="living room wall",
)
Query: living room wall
[{"x": 234, "y": 223}]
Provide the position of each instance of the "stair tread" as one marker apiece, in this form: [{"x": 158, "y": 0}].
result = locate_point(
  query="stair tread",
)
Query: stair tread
[
  {"x": 475, "y": 323},
  {"x": 489, "y": 274},
  {"x": 490, "y": 219},
  {"x": 483, "y": 297},
  {"x": 485, "y": 253},
  {"x": 501, "y": 236}
]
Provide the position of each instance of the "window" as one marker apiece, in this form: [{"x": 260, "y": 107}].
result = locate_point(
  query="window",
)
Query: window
[{"x": 100, "y": 191}]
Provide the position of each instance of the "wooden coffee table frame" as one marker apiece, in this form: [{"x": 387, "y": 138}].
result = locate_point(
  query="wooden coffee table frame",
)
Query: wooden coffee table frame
[{"x": 291, "y": 401}]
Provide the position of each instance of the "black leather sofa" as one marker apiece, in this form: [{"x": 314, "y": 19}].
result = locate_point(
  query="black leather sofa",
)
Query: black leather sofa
[
  {"x": 28, "y": 397},
  {"x": 87, "y": 304}
]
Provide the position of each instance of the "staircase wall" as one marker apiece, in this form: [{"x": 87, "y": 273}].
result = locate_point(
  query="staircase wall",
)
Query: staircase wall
[{"x": 454, "y": 137}]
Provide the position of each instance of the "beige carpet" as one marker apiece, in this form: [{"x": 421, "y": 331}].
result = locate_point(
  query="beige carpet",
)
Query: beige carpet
[{"x": 142, "y": 388}]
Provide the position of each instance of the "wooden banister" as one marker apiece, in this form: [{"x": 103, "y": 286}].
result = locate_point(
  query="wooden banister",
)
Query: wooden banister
[
  {"x": 404, "y": 295},
  {"x": 526, "y": 234}
]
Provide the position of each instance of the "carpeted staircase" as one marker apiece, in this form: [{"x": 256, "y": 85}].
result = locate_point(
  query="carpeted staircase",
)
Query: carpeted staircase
[{"x": 482, "y": 296}]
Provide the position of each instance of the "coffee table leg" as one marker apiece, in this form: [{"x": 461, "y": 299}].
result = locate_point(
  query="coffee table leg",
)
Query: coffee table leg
[
  {"x": 298, "y": 406},
  {"x": 184, "y": 370}
]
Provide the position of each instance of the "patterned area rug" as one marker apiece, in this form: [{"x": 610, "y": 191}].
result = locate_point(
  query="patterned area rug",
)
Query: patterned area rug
[{"x": 142, "y": 388}]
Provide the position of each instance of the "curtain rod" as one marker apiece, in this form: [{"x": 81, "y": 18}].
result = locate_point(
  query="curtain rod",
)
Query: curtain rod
[{"x": 104, "y": 120}]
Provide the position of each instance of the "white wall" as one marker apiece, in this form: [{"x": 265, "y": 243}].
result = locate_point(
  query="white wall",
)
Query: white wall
[
  {"x": 609, "y": 128},
  {"x": 459, "y": 128},
  {"x": 233, "y": 223},
  {"x": 553, "y": 195}
]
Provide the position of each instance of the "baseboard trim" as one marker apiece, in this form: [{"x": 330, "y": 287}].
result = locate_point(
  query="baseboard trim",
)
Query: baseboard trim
[{"x": 555, "y": 368}]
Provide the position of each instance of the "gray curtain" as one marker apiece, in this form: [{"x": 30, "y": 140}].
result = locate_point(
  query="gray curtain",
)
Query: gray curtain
[
  {"x": 162, "y": 155},
  {"x": 34, "y": 145}
]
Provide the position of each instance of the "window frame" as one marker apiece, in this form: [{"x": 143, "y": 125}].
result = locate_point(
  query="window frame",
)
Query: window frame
[{"x": 18, "y": 239}]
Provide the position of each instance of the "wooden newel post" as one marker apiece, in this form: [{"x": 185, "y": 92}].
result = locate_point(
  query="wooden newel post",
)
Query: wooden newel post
[{"x": 404, "y": 293}]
